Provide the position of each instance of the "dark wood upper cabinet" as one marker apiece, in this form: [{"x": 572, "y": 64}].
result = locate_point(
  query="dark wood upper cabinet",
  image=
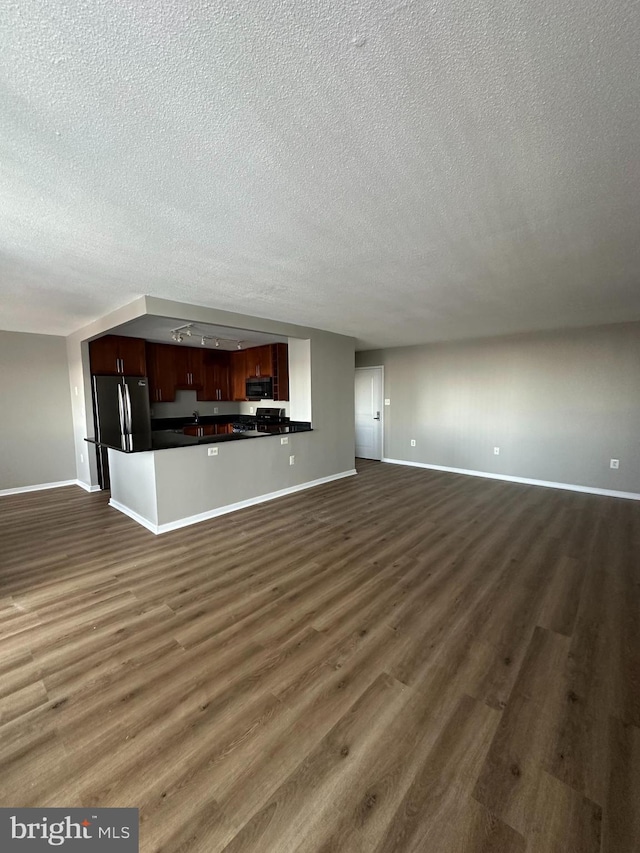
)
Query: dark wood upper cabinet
[
  {"x": 259, "y": 361},
  {"x": 115, "y": 355},
  {"x": 280, "y": 363},
  {"x": 133, "y": 356},
  {"x": 238, "y": 374},
  {"x": 269, "y": 360},
  {"x": 189, "y": 367},
  {"x": 215, "y": 376},
  {"x": 162, "y": 372}
]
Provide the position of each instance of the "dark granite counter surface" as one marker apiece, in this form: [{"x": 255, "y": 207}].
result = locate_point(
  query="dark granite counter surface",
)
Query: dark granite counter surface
[{"x": 169, "y": 438}]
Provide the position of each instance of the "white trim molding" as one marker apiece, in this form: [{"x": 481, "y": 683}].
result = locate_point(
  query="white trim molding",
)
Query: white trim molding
[
  {"x": 86, "y": 486},
  {"x": 223, "y": 510},
  {"x": 38, "y": 488},
  {"x": 570, "y": 487},
  {"x": 150, "y": 525}
]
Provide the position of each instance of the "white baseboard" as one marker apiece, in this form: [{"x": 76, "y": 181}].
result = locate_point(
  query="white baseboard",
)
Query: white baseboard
[
  {"x": 150, "y": 525},
  {"x": 86, "y": 486},
  {"x": 570, "y": 487},
  {"x": 223, "y": 510},
  {"x": 38, "y": 488}
]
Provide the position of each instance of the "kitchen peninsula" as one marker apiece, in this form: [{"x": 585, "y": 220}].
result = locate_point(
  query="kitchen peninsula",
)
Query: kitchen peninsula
[{"x": 197, "y": 457}]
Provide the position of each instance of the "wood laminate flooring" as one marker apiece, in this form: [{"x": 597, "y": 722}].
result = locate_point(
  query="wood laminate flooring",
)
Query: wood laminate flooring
[{"x": 405, "y": 660}]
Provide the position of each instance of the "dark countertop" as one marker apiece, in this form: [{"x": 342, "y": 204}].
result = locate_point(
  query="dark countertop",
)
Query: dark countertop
[
  {"x": 203, "y": 420},
  {"x": 167, "y": 439}
]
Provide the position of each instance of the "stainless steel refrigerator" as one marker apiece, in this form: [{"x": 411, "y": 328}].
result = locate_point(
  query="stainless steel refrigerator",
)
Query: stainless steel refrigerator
[{"x": 122, "y": 412}]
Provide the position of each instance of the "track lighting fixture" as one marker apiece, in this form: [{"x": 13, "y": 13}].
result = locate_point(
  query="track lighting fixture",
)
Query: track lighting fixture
[{"x": 189, "y": 330}]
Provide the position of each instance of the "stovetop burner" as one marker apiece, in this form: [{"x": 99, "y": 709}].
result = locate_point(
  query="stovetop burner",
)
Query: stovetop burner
[{"x": 264, "y": 416}]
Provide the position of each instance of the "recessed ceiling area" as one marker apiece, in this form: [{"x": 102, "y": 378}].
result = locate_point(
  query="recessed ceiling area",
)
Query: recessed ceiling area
[
  {"x": 158, "y": 329},
  {"x": 400, "y": 172}
]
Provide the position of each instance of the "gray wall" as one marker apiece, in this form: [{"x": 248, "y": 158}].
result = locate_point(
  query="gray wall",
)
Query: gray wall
[
  {"x": 559, "y": 405},
  {"x": 36, "y": 433},
  {"x": 133, "y": 483}
]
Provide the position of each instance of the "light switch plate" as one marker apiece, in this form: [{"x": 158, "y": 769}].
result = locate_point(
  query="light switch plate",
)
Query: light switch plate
[{"x": 387, "y": 401}]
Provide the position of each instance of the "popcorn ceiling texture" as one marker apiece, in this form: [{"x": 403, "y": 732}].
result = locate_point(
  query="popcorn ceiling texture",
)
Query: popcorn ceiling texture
[{"x": 397, "y": 171}]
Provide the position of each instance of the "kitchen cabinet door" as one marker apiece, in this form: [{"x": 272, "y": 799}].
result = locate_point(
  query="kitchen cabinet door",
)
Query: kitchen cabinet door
[
  {"x": 260, "y": 361},
  {"x": 280, "y": 356},
  {"x": 188, "y": 361},
  {"x": 238, "y": 374},
  {"x": 132, "y": 356},
  {"x": 215, "y": 376},
  {"x": 104, "y": 356},
  {"x": 162, "y": 373},
  {"x": 115, "y": 355},
  {"x": 195, "y": 360},
  {"x": 200, "y": 430}
]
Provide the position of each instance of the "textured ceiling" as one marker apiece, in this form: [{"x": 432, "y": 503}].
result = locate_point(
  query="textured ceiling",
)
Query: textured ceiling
[
  {"x": 153, "y": 328},
  {"x": 396, "y": 170}
]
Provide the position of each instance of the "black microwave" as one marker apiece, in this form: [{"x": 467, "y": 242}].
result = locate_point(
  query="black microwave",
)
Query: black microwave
[{"x": 259, "y": 388}]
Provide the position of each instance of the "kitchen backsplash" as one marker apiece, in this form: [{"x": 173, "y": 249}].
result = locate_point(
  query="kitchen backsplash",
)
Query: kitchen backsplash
[{"x": 186, "y": 403}]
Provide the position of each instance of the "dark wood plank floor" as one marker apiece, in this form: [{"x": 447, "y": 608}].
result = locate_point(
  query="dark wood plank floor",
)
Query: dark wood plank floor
[{"x": 401, "y": 661}]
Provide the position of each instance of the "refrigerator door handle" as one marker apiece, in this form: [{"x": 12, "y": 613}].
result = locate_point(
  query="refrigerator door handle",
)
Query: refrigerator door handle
[
  {"x": 127, "y": 409},
  {"x": 123, "y": 430}
]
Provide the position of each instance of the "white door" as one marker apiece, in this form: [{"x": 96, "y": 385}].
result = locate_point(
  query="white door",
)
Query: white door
[{"x": 369, "y": 412}]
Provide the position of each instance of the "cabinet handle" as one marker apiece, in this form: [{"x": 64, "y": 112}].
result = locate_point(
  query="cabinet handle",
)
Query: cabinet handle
[{"x": 160, "y": 393}]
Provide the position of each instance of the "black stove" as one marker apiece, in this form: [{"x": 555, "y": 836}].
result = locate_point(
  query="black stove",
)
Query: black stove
[{"x": 264, "y": 416}]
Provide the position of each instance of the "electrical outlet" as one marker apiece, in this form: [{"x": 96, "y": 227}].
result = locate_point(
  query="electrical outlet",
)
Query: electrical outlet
[
  {"x": 413, "y": 442},
  {"x": 250, "y": 410},
  {"x": 387, "y": 401},
  {"x": 212, "y": 451},
  {"x": 496, "y": 451},
  {"x": 215, "y": 410},
  {"x": 284, "y": 439},
  {"x": 292, "y": 460},
  {"x": 614, "y": 463}
]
